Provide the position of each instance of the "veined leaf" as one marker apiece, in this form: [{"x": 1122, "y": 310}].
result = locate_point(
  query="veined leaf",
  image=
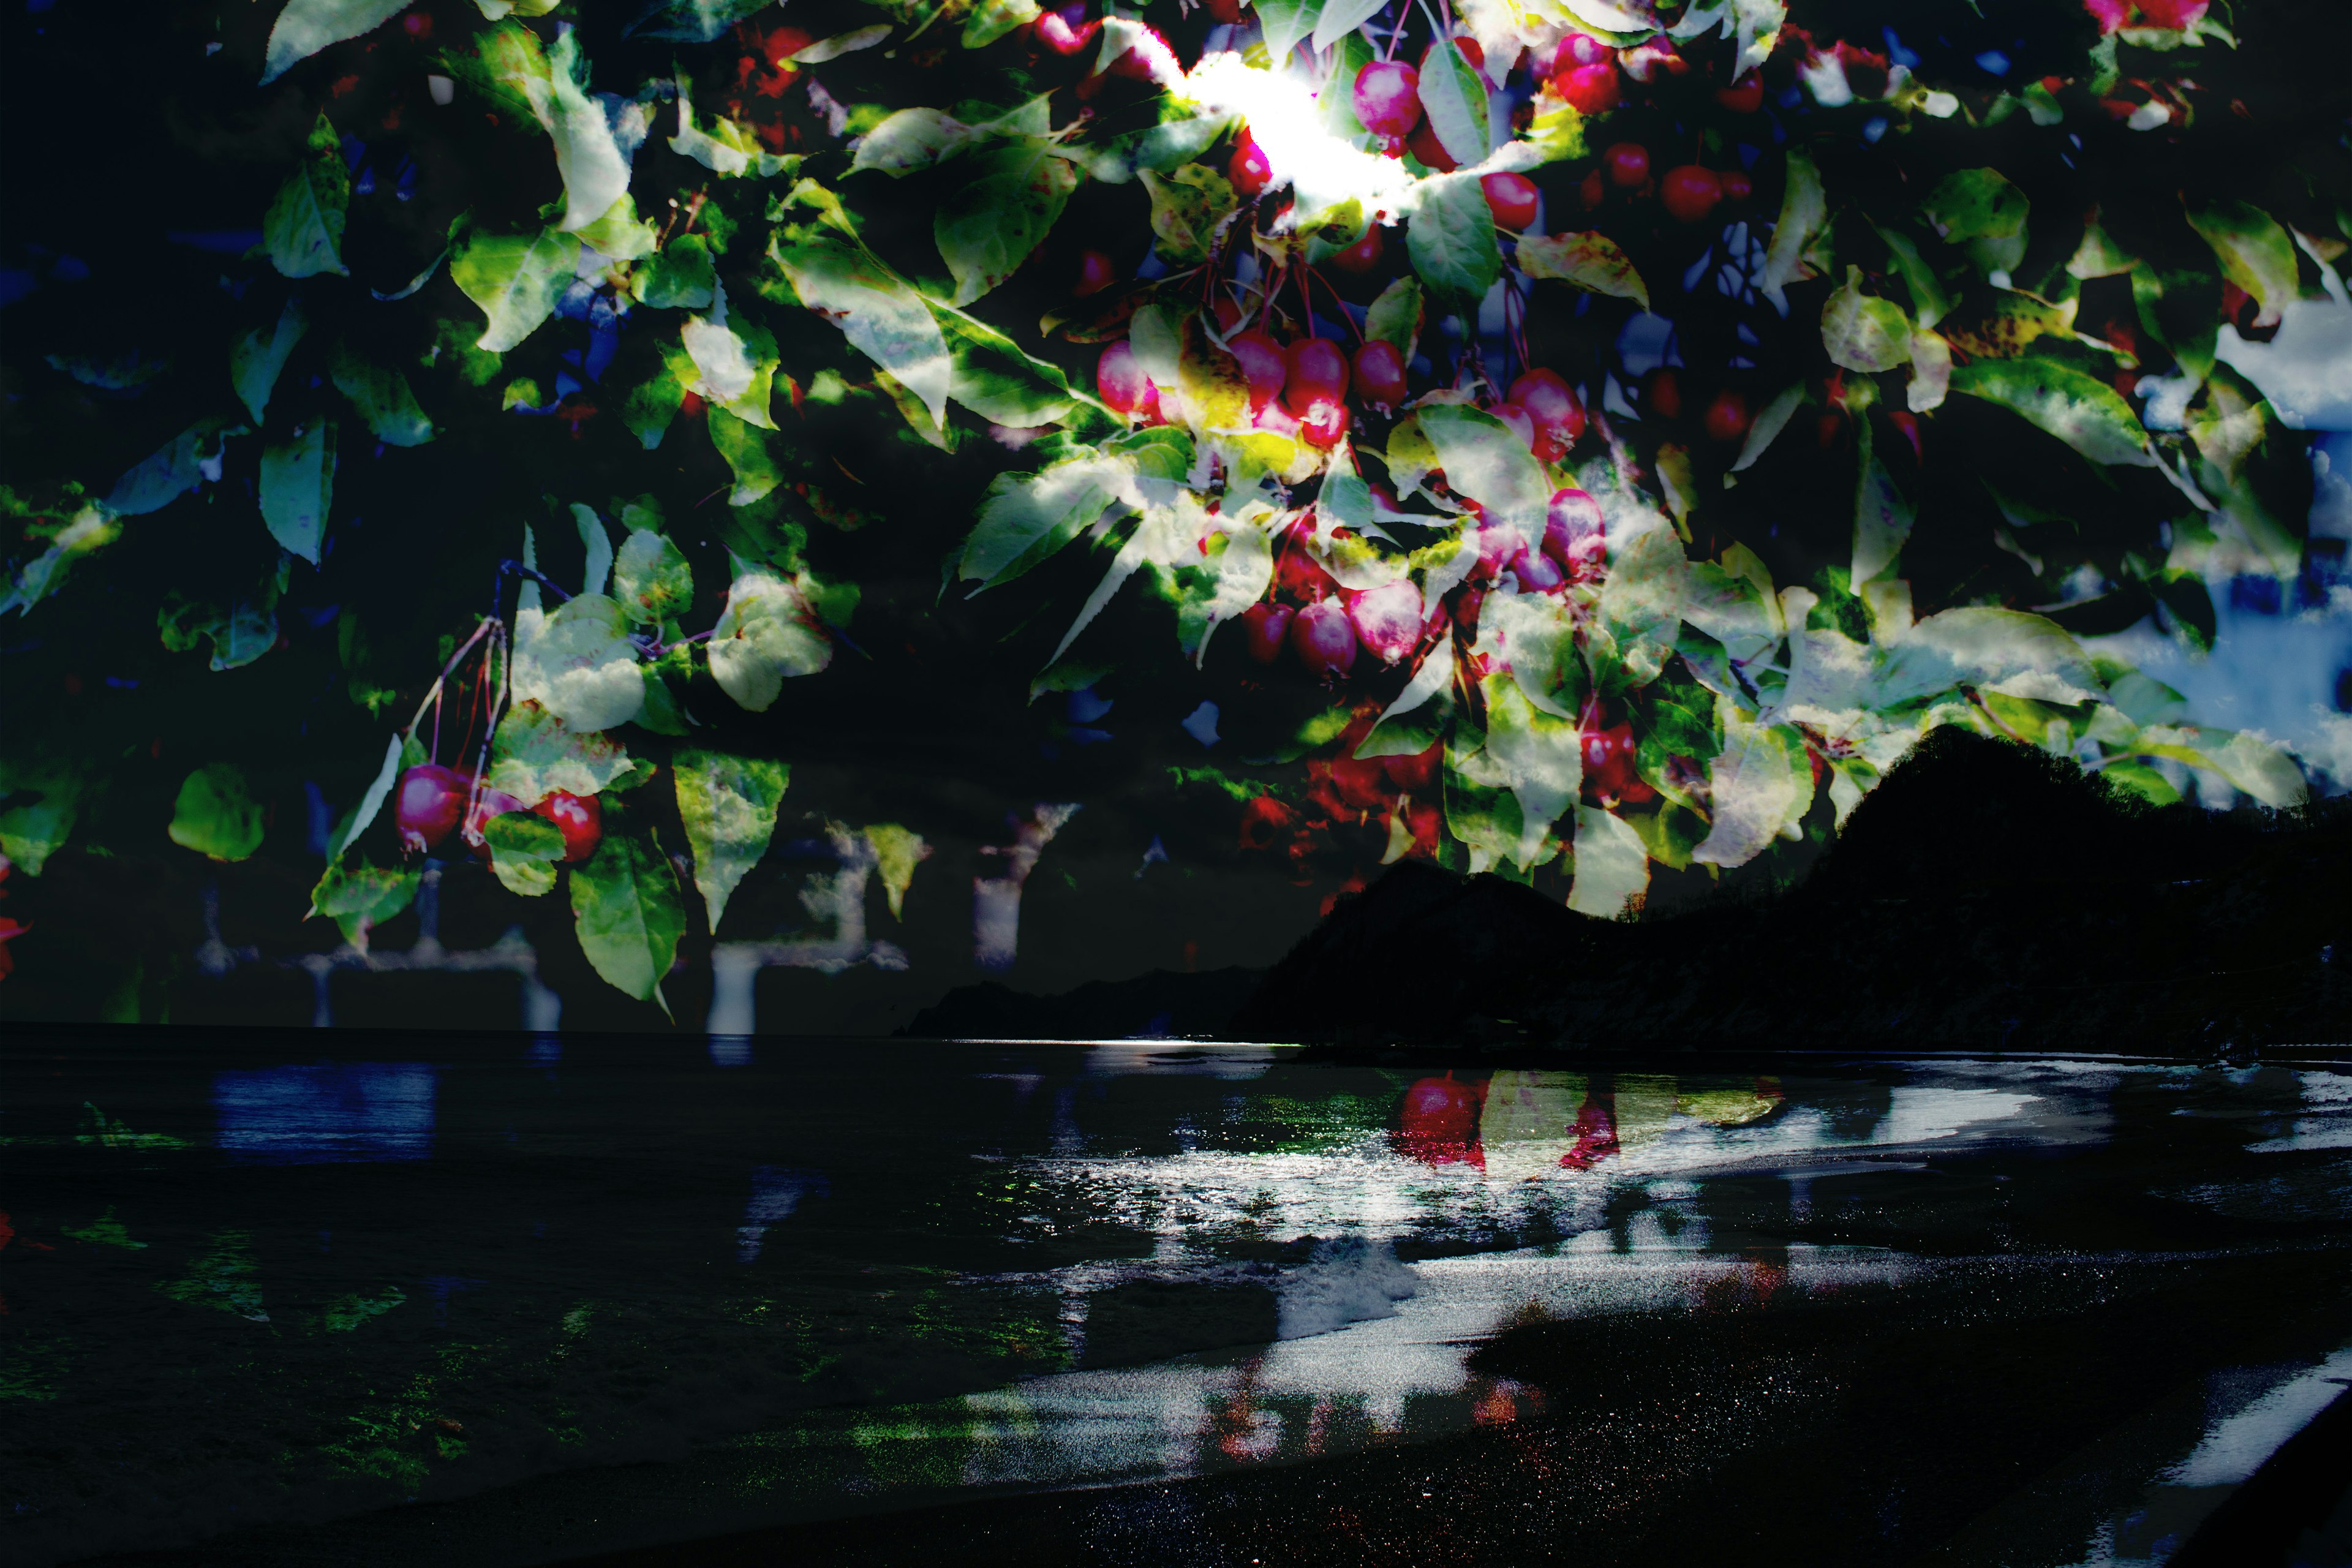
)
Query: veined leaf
[
  {"x": 691, "y": 21},
  {"x": 359, "y": 898},
  {"x": 298, "y": 481},
  {"x": 256, "y": 360},
  {"x": 1976, "y": 204},
  {"x": 1769, "y": 421},
  {"x": 1451, "y": 239},
  {"x": 305, "y": 27},
  {"x": 1590, "y": 261},
  {"x": 994, "y": 378},
  {"x": 1395, "y": 316},
  {"x": 1761, "y": 781},
  {"x": 911, "y": 139},
  {"x": 166, "y": 474},
  {"x": 744, "y": 445},
  {"x": 534, "y": 755},
  {"x": 2073, "y": 405},
  {"x": 1864, "y": 334},
  {"x": 382, "y": 398},
  {"x": 1188, "y": 207},
  {"x": 524, "y": 849},
  {"x": 764, "y": 636},
  {"x": 876, "y": 310},
  {"x": 1804, "y": 213},
  {"x": 651, "y": 579},
  {"x": 1539, "y": 758},
  {"x": 595, "y": 174},
  {"x": 303, "y": 228},
  {"x": 1455, "y": 99},
  {"x": 1929, "y": 299},
  {"x": 987, "y": 228},
  {"x": 1483, "y": 460},
  {"x": 2255, "y": 253},
  {"x": 1286, "y": 24},
  {"x": 729, "y": 806},
  {"x": 579, "y": 665},
  {"x": 214, "y": 815},
  {"x": 626, "y": 907},
  {"x": 678, "y": 277},
  {"x": 620, "y": 233},
  {"x": 515, "y": 279},
  {"x": 1028, "y": 517}
]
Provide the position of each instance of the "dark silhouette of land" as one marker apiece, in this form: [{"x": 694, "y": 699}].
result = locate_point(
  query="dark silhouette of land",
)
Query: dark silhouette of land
[{"x": 1986, "y": 896}]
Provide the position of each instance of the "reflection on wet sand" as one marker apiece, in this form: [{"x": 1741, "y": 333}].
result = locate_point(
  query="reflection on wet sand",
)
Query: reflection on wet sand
[{"x": 809, "y": 1280}]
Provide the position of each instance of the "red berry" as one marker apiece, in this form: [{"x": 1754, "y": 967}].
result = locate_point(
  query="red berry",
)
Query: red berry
[
  {"x": 1363, "y": 256},
  {"x": 1316, "y": 372},
  {"x": 1226, "y": 11},
  {"x": 417, "y": 24},
  {"x": 1472, "y": 51},
  {"x": 1096, "y": 272},
  {"x": 1579, "y": 49},
  {"x": 1727, "y": 417},
  {"x": 1379, "y": 373},
  {"x": 1297, "y": 575},
  {"x": 1689, "y": 193},
  {"x": 1424, "y": 146},
  {"x": 1592, "y": 190},
  {"x": 1539, "y": 573},
  {"x": 1574, "y": 535},
  {"x": 1228, "y": 313},
  {"x": 1589, "y": 89},
  {"x": 1628, "y": 163},
  {"x": 1065, "y": 36},
  {"x": 1265, "y": 819},
  {"x": 2111, "y": 14},
  {"x": 1324, "y": 641},
  {"x": 1736, "y": 186},
  {"x": 1323, "y": 423},
  {"x": 1273, "y": 416},
  {"x": 1388, "y": 97},
  {"x": 431, "y": 800},
  {"x": 1744, "y": 97},
  {"x": 1414, "y": 773},
  {"x": 1906, "y": 422},
  {"x": 1249, "y": 171},
  {"x": 1362, "y": 784},
  {"x": 2175, "y": 15},
  {"x": 1500, "y": 547},
  {"x": 1146, "y": 60},
  {"x": 1663, "y": 396},
  {"x": 1264, "y": 626},
  {"x": 1511, "y": 198},
  {"x": 487, "y": 804},
  {"x": 581, "y": 818},
  {"x": 1557, "y": 411},
  {"x": 1263, "y": 364},
  {"x": 1387, "y": 620},
  {"x": 1121, "y": 380},
  {"x": 1512, "y": 414}
]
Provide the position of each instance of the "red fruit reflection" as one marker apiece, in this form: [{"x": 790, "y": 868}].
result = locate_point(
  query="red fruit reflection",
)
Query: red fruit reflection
[
  {"x": 1595, "y": 1128},
  {"x": 1439, "y": 1124}
]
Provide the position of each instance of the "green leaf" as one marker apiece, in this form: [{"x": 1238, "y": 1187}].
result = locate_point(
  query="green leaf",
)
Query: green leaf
[
  {"x": 383, "y": 399},
  {"x": 911, "y": 139},
  {"x": 1761, "y": 782},
  {"x": 361, "y": 897},
  {"x": 532, "y": 756},
  {"x": 729, "y": 806},
  {"x": 620, "y": 234},
  {"x": 362, "y": 816},
  {"x": 1395, "y": 316},
  {"x": 515, "y": 280},
  {"x": 594, "y": 174},
  {"x": 33, "y": 830},
  {"x": 745, "y": 447},
  {"x": 691, "y": 21},
  {"x": 254, "y": 363},
  {"x": 303, "y": 228},
  {"x": 1612, "y": 865},
  {"x": 1485, "y": 460},
  {"x": 524, "y": 848},
  {"x": 1537, "y": 757},
  {"x": 680, "y": 276},
  {"x": 1188, "y": 207},
  {"x": 1976, "y": 204},
  {"x": 1286, "y": 24},
  {"x": 1882, "y": 515},
  {"x": 579, "y": 664},
  {"x": 305, "y": 27},
  {"x": 166, "y": 474},
  {"x": 763, "y": 638},
  {"x": 2073, "y": 405},
  {"x": 1451, "y": 240},
  {"x": 651, "y": 578},
  {"x": 2255, "y": 253},
  {"x": 897, "y": 852},
  {"x": 994, "y": 378},
  {"x": 1455, "y": 99},
  {"x": 1929, "y": 299},
  {"x": 875, "y": 309},
  {"x": 1027, "y": 517},
  {"x": 654, "y": 403},
  {"x": 1862, "y": 332},
  {"x": 989, "y": 225},
  {"x": 214, "y": 815},
  {"x": 1589, "y": 261},
  {"x": 298, "y": 481},
  {"x": 626, "y": 907},
  {"x": 1804, "y": 215},
  {"x": 1769, "y": 421},
  {"x": 1340, "y": 18},
  {"x": 992, "y": 19}
]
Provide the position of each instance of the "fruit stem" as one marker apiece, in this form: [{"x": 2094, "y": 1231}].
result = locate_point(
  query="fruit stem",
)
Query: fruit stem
[{"x": 433, "y": 691}]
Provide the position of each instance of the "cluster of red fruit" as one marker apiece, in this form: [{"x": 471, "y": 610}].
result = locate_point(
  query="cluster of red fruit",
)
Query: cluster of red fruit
[
  {"x": 432, "y": 799},
  {"x": 1725, "y": 419},
  {"x": 2174, "y": 15},
  {"x": 1439, "y": 1124},
  {"x": 765, "y": 70},
  {"x": 1689, "y": 193}
]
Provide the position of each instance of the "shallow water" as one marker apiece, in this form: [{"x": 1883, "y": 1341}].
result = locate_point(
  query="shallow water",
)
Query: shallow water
[{"x": 280, "y": 1282}]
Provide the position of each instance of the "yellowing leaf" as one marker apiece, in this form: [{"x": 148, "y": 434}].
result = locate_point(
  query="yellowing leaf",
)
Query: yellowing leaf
[{"x": 1591, "y": 262}]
